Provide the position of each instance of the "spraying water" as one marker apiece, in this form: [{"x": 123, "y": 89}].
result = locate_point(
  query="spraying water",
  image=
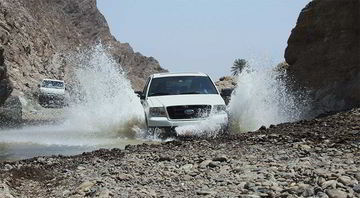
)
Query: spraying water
[
  {"x": 103, "y": 109},
  {"x": 104, "y": 101},
  {"x": 262, "y": 98},
  {"x": 208, "y": 128}
]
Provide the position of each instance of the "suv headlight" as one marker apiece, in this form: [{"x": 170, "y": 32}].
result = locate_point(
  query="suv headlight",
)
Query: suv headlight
[
  {"x": 217, "y": 109},
  {"x": 157, "y": 112}
]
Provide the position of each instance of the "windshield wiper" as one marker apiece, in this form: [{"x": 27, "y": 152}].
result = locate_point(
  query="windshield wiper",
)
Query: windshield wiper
[
  {"x": 159, "y": 94},
  {"x": 194, "y": 92}
]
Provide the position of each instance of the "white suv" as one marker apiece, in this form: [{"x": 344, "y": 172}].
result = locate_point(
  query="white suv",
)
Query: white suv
[
  {"x": 171, "y": 100},
  {"x": 52, "y": 92}
]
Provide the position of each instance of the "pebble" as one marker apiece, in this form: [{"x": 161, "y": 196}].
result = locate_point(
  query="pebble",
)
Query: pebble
[
  {"x": 205, "y": 163},
  {"x": 305, "y": 147},
  {"x": 276, "y": 188},
  {"x": 347, "y": 181},
  {"x": 205, "y": 192},
  {"x": 330, "y": 183},
  {"x": 221, "y": 158},
  {"x": 195, "y": 168},
  {"x": 7, "y": 167},
  {"x": 322, "y": 195},
  {"x": 104, "y": 193},
  {"x": 356, "y": 188},
  {"x": 5, "y": 191},
  {"x": 213, "y": 164},
  {"x": 165, "y": 158},
  {"x": 187, "y": 167},
  {"x": 85, "y": 187},
  {"x": 335, "y": 193}
]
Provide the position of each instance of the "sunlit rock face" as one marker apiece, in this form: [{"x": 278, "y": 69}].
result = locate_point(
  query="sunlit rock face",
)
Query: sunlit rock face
[
  {"x": 36, "y": 37},
  {"x": 324, "y": 54}
]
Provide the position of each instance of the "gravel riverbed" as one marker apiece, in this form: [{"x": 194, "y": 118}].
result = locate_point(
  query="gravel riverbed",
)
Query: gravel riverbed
[{"x": 315, "y": 158}]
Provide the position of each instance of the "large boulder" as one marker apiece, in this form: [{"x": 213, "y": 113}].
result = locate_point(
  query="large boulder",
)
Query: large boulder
[
  {"x": 323, "y": 53},
  {"x": 11, "y": 111}
]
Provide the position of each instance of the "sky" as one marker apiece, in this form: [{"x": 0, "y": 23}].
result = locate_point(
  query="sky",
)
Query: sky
[{"x": 204, "y": 35}]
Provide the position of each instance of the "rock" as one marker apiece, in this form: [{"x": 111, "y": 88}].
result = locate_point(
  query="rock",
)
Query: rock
[
  {"x": 306, "y": 190},
  {"x": 330, "y": 183},
  {"x": 276, "y": 188},
  {"x": 205, "y": 192},
  {"x": 221, "y": 158},
  {"x": 66, "y": 193},
  {"x": 357, "y": 176},
  {"x": 5, "y": 191},
  {"x": 249, "y": 185},
  {"x": 12, "y": 109},
  {"x": 8, "y": 167},
  {"x": 356, "y": 188},
  {"x": 104, "y": 193},
  {"x": 205, "y": 163},
  {"x": 226, "y": 86},
  {"x": 123, "y": 177},
  {"x": 321, "y": 172},
  {"x": 165, "y": 158},
  {"x": 347, "y": 181},
  {"x": 85, "y": 187},
  {"x": 226, "y": 82},
  {"x": 262, "y": 128},
  {"x": 323, "y": 54},
  {"x": 305, "y": 147},
  {"x": 187, "y": 167},
  {"x": 322, "y": 195},
  {"x": 335, "y": 193},
  {"x": 213, "y": 164},
  {"x": 80, "y": 168},
  {"x": 149, "y": 192}
]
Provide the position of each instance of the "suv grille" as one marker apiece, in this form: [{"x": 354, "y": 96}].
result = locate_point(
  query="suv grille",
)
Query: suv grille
[{"x": 189, "y": 112}]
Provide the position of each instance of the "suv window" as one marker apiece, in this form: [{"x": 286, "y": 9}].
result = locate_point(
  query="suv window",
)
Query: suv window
[
  {"x": 52, "y": 84},
  {"x": 181, "y": 85}
]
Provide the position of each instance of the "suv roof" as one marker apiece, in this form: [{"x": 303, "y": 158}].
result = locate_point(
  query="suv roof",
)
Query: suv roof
[
  {"x": 159, "y": 75},
  {"x": 52, "y": 80}
]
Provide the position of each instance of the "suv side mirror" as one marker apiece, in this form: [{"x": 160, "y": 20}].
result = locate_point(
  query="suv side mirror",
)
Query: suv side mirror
[{"x": 140, "y": 95}]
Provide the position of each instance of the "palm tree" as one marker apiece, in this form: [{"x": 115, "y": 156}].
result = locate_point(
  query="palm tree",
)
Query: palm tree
[{"x": 238, "y": 66}]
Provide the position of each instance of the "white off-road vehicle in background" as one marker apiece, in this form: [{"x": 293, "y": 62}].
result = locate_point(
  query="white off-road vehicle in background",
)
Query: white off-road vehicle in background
[
  {"x": 171, "y": 100},
  {"x": 52, "y": 92}
]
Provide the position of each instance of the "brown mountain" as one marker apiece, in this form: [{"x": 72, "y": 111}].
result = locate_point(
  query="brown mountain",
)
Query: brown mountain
[{"x": 34, "y": 35}]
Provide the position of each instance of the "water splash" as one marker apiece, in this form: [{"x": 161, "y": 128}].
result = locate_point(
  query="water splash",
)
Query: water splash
[
  {"x": 262, "y": 98},
  {"x": 104, "y": 101},
  {"x": 103, "y": 109},
  {"x": 208, "y": 128}
]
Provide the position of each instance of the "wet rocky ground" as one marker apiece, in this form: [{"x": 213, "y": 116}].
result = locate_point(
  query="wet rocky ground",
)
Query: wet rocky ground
[{"x": 316, "y": 158}]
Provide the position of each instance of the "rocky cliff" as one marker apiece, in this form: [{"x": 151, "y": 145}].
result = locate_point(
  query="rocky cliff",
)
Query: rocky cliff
[
  {"x": 5, "y": 86},
  {"x": 324, "y": 54},
  {"x": 35, "y": 35}
]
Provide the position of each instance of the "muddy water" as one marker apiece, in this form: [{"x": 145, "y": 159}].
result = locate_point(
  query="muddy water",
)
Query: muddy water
[{"x": 58, "y": 139}]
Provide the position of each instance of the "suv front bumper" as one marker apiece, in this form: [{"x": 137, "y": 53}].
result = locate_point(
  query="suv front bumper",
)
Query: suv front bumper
[{"x": 164, "y": 122}]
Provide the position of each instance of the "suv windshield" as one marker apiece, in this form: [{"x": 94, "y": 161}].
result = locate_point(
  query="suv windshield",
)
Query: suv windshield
[
  {"x": 181, "y": 85},
  {"x": 52, "y": 84}
]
